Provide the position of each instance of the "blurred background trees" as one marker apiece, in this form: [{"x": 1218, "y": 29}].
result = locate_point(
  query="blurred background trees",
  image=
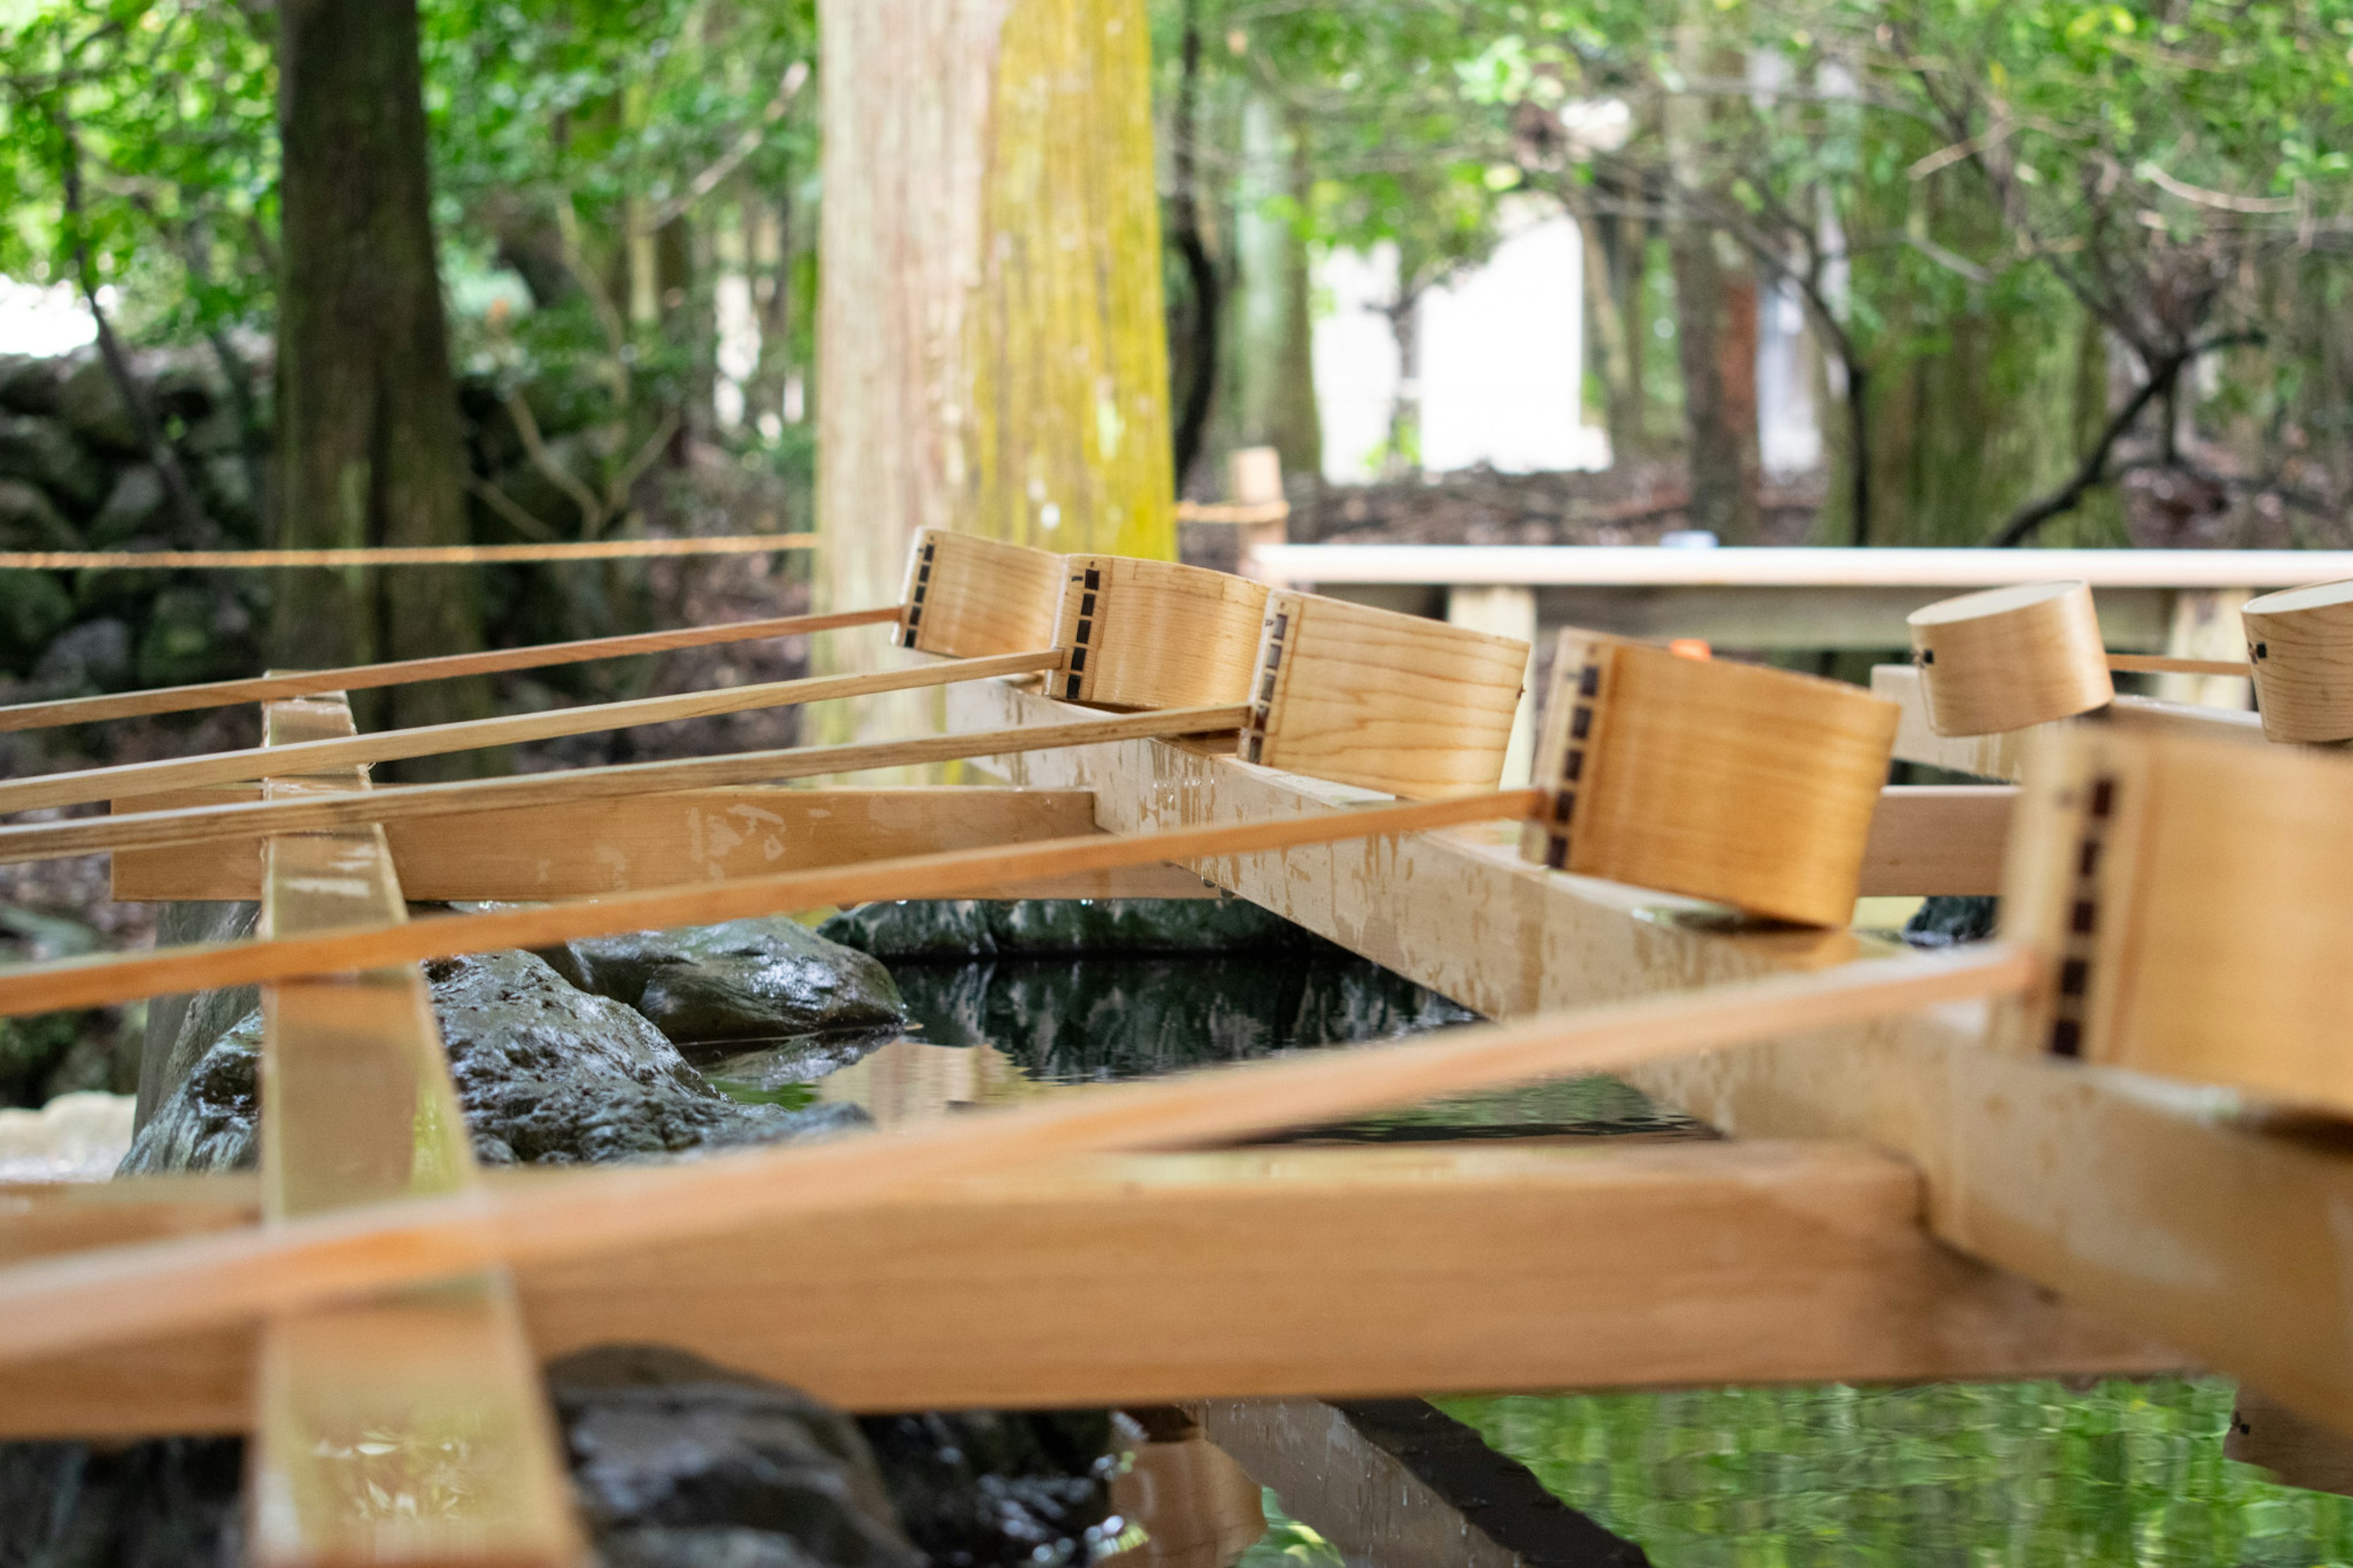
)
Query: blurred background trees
[{"x": 2018, "y": 271}]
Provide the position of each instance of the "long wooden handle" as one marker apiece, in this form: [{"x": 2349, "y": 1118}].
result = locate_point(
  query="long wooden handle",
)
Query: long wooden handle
[
  {"x": 103, "y": 980},
  {"x": 253, "y": 818},
  {"x": 433, "y": 740},
  {"x": 2158, "y": 664},
  {"x": 99, "y": 1297},
  {"x": 405, "y": 671}
]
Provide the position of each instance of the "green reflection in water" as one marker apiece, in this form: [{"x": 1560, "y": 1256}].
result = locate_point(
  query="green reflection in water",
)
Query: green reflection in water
[
  {"x": 2027, "y": 1473},
  {"x": 1287, "y": 1544}
]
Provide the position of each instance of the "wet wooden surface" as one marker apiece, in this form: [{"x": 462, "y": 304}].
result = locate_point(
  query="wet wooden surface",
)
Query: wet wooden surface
[{"x": 411, "y": 1429}]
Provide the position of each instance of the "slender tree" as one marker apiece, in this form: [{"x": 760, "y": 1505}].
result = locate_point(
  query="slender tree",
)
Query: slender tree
[{"x": 369, "y": 445}]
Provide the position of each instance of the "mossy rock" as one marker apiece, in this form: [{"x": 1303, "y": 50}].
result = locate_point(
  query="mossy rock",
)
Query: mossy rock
[{"x": 957, "y": 929}]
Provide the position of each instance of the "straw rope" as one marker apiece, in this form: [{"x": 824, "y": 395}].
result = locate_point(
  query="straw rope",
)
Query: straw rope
[{"x": 406, "y": 555}]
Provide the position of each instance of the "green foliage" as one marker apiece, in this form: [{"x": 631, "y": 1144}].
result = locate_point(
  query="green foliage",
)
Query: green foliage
[{"x": 2012, "y": 1473}]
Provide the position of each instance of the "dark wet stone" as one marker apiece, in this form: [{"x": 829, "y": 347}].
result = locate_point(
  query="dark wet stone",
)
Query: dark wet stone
[
  {"x": 1129, "y": 1017},
  {"x": 171, "y": 1502},
  {"x": 983, "y": 1488},
  {"x": 743, "y": 980},
  {"x": 30, "y": 520},
  {"x": 44, "y": 452},
  {"x": 675, "y": 1464},
  {"x": 180, "y": 1029},
  {"x": 952, "y": 929},
  {"x": 192, "y": 634},
  {"x": 91, "y": 402},
  {"x": 546, "y": 1075},
  {"x": 1948, "y": 920},
  {"x": 682, "y": 1464}
]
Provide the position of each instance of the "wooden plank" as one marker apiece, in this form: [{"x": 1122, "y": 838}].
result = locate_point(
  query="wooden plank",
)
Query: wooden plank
[
  {"x": 1272, "y": 1272},
  {"x": 400, "y": 672},
  {"x": 590, "y": 849},
  {"x": 138, "y": 824},
  {"x": 412, "y": 1428},
  {"x": 2003, "y": 756},
  {"x": 125, "y": 1293},
  {"x": 94, "y": 981},
  {"x": 1937, "y": 838},
  {"x": 474, "y": 734},
  {"x": 2136, "y": 1199}
]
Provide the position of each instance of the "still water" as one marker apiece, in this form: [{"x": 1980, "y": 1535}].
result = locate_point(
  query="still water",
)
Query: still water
[{"x": 2125, "y": 1473}]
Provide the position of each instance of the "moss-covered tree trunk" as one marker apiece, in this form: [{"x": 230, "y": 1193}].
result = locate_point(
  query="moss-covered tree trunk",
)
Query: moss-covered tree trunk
[
  {"x": 369, "y": 447},
  {"x": 991, "y": 354}
]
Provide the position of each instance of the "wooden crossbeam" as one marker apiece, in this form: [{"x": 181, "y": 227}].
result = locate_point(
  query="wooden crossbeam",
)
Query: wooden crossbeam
[
  {"x": 2141, "y": 1200},
  {"x": 409, "y": 1429},
  {"x": 591, "y": 848},
  {"x": 1937, "y": 838},
  {"x": 1241, "y": 1274}
]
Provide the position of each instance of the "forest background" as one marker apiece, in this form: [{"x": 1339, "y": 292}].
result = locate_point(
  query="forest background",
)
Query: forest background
[{"x": 2071, "y": 273}]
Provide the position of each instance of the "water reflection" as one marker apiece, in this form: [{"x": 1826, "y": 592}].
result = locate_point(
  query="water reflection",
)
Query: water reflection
[{"x": 2126, "y": 1472}]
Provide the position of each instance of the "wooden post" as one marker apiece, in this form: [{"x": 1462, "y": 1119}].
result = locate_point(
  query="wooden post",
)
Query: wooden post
[
  {"x": 430, "y": 1397},
  {"x": 992, "y": 355}
]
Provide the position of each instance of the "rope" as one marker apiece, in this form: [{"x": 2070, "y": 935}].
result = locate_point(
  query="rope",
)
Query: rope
[{"x": 405, "y": 555}]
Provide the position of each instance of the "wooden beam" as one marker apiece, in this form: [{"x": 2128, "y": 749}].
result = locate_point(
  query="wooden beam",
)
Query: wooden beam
[
  {"x": 2146, "y": 1201},
  {"x": 430, "y": 1395},
  {"x": 1937, "y": 838},
  {"x": 95, "y": 981},
  {"x": 1252, "y": 1273},
  {"x": 2003, "y": 756},
  {"x": 474, "y": 734},
  {"x": 588, "y": 850}
]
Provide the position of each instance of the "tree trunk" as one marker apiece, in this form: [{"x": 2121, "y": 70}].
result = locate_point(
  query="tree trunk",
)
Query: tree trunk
[
  {"x": 1269, "y": 382},
  {"x": 1614, "y": 326},
  {"x": 1715, "y": 340},
  {"x": 993, "y": 351},
  {"x": 1295, "y": 427},
  {"x": 369, "y": 447}
]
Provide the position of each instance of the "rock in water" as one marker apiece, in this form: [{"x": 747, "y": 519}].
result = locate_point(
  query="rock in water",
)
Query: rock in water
[
  {"x": 1948, "y": 920},
  {"x": 682, "y": 1464},
  {"x": 998, "y": 1488},
  {"x": 180, "y": 1029},
  {"x": 744, "y": 980},
  {"x": 675, "y": 1464},
  {"x": 545, "y": 1074},
  {"x": 950, "y": 929}
]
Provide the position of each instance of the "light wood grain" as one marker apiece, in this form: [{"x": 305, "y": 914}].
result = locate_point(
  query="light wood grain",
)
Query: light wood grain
[
  {"x": 1153, "y": 634},
  {"x": 127, "y": 1293},
  {"x": 2008, "y": 657},
  {"x": 2301, "y": 646},
  {"x": 2150, "y": 1204},
  {"x": 2162, "y": 664},
  {"x": 95, "y": 981},
  {"x": 2190, "y": 894},
  {"x": 592, "y": 848},
  {"x": 2003, "y": 756},
  {"x": 472, "y": 734},
  {"x": 229, "y": 813},
  {"x": 400, "y": 672},
  {"x": 410, "y": 1429},
  {"x": 1433, "y": 1267},
  {"x": 1929, "y": 839},
  {"x": 1395, "y": 703},
  {"x": 968, "y": 597},
  {"x": 1750, "y": 787}
]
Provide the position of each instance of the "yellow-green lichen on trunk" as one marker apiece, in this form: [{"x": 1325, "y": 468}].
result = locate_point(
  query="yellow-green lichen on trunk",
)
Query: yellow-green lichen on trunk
[{"x": 1065, "y": 359}]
